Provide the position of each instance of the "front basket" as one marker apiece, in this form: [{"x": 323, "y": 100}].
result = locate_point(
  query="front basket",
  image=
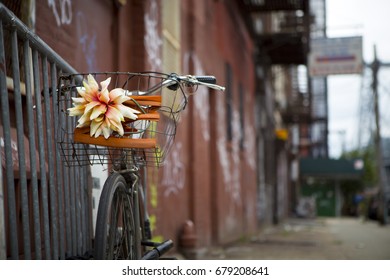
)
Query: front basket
[{"x": 145, "y": 141}]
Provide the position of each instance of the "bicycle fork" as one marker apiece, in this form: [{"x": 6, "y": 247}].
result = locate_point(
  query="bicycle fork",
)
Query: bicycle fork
[
  {"x": 159, "y": 249},
  {"x": 137, "y": 222}
]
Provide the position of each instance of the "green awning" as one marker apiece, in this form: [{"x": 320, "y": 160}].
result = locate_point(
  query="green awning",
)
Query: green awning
[{"x": 331, "y": 168}]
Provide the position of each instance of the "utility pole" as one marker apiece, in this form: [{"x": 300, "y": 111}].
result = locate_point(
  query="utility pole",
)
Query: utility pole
[
  {"x": 378, "y": 145},
  {"x": 342, "y": 139}
]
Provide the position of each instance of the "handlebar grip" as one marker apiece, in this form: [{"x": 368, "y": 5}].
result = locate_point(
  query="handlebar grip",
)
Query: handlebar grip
[{"x": 207, "y": 79}]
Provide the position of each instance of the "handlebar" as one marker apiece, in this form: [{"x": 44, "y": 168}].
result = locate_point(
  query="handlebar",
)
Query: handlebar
[
  {"x": 207, "y": 79},
  {"x": 171, "y": 81},
  {"x": 174, "y": 81},
  {"x": 158, "y": 251}
]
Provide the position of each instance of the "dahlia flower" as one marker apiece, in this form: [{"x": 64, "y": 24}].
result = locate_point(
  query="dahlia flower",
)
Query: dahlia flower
[{"x": 101, "y": 109}]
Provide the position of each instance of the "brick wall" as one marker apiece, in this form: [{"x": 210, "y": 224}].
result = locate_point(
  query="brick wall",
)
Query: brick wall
[{"x": 210, "y": 178}]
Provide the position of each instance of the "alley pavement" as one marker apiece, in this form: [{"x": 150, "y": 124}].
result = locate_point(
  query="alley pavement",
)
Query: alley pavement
[{"x": 314, "y": 239}]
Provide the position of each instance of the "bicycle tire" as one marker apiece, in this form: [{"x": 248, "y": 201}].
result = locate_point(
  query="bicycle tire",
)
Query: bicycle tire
[{"x": 115, "y": 230}]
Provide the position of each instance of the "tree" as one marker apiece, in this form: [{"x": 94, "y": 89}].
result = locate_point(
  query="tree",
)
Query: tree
[
  {"x": 369, "y": 179},
  {"x": 367, "y": 154}
]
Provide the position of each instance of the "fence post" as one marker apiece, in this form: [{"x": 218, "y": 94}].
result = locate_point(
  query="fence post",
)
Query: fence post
[{"x": 3, "y": 254}]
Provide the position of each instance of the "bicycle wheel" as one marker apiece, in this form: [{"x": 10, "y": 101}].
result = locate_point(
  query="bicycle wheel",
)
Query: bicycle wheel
[{"x": 115, "y": 230}]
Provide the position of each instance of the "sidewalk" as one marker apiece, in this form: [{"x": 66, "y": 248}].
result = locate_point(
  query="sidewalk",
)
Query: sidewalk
[{"x": 319, "y": 239}]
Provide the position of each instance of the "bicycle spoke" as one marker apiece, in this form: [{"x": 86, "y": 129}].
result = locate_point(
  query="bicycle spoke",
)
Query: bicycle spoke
[
  {"x": 121, "y": 246},
  {"x": 115, "y": 235}
]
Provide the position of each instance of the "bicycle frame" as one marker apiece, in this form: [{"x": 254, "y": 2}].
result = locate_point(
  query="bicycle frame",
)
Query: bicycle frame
[{"x": 135, "y": 190}]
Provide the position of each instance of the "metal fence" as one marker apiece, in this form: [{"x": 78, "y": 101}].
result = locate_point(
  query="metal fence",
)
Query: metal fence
[{"x": 45, "y": 207}]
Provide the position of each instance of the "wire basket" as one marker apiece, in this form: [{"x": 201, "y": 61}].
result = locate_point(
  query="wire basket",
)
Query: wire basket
[{"x": 145, "y": 141}]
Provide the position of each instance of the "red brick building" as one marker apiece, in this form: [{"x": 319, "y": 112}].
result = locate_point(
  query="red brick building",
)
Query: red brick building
[{"x": 229, "y": 169}]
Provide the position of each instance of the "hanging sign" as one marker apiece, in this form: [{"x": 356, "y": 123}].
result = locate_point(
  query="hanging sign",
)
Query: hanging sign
[{"x": 336, "y": 56}]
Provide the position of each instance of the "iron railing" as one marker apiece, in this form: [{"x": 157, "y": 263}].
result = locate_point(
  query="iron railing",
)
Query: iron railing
[{"x": 45, "y": 207}]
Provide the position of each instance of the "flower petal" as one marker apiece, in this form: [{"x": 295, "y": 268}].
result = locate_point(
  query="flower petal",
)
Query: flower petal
[
  {"x": 76, "y": 110},
  {"x": 98, "y": 110},
  {"x": 116, "y": 126},
  {"x": 83, "y": 124},
  {"x": 117, "y": 96},
  {"x": 91, "y": 105},
  {"x": 95, "y": 125},
  {"x": 106, "y": 128},
  {"x": 105, "y": 83},
  {"x": 85, "y": 118},
  {"x": 80, "y": 90},
  {"x": 114, "y": 114},
  {"x": 93, "y": 85},
  {"x": 88, "y": 94},
  {"x": 118, "y": 129},
  {"x": 121, "y": 99},
  {"x": 77, "y": 100},
  {"x": 127, "y": 112},
  {"x": 104, "y": 96}
]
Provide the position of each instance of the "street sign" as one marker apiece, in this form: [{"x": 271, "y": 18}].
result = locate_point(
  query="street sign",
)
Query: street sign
[{"x": 336, "y": 56}]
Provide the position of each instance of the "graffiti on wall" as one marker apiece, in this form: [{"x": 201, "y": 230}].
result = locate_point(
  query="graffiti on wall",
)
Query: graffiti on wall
[
  {"x": 62, "y": 11},
  {"x": 201, "y": 99},
  {"x": 173, "y": 176},
  {"x": 152, "y": 39},
  {"x": 235, "y": 186},
  {"x": 87, "y": 40},
  {"x": 249, "y": 145},
  {"x": 250, "y": 150},
  {"x": 230, "y": 162}
]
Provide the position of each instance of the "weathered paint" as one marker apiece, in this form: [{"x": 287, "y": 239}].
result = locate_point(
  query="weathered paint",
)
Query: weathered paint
[{"x": 206, "y": 178}]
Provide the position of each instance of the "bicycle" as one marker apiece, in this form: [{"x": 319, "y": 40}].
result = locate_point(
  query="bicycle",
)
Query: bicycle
[{"x": 122, "y": 228}]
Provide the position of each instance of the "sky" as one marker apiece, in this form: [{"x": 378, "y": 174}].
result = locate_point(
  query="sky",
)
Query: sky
[{"x": 348, "y": 93}]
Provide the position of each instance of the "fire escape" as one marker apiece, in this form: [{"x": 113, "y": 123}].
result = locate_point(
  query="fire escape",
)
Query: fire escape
[{"x": 282, "y": 30}]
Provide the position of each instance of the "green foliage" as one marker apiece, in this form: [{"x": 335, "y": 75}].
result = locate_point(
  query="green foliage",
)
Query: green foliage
[
  {"x": 369, "y": 179},
  {"x": 367, "y": 154}
]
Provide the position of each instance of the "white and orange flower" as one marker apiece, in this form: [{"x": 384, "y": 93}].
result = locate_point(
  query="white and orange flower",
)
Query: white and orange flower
[{"x": 101, "y": 109}]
